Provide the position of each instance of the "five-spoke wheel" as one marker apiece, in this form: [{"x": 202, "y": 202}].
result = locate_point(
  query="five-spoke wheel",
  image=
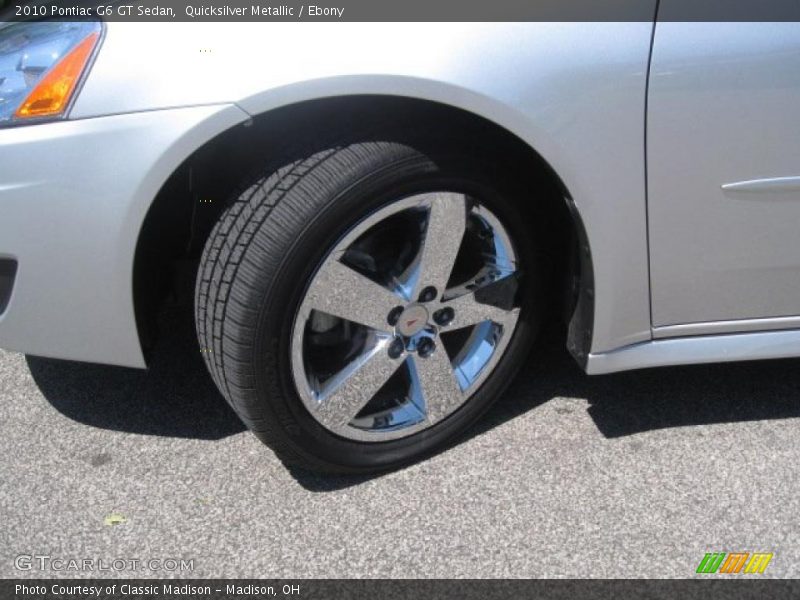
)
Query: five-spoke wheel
[
  {"x": 362, "y": 304},
  {"x": 388, "y": 342}
]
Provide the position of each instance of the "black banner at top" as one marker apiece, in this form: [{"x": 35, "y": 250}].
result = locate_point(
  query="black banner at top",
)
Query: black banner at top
[{"x": 407, "y": 10}]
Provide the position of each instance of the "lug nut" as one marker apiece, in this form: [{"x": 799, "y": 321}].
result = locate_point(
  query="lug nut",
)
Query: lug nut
[
  {"x": 428, "y": 294},
  {"x": 394, "y": 315},
  {"x": 396, "y": 348},
  {"x": 444, "y": 316},
  {"x": 425, "y": 347}
]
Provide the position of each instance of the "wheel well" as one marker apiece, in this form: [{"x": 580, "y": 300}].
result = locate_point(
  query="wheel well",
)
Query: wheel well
[{"x": 183, "y": 213}]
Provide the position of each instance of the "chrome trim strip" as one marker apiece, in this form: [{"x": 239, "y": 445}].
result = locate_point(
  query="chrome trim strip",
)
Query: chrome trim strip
[
  {"x": 772, "y": 184},
  {"x": 734, "y": 326}
]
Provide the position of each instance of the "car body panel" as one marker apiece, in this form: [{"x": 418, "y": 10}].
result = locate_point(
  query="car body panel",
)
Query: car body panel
[
  {"x": 73, "y": 197},
  {"x": 723, "y": 167},
  {"x": 573, "y": 91}
]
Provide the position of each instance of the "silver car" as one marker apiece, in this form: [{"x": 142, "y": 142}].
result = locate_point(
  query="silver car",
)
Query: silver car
[{"x": 379, "y": 218}]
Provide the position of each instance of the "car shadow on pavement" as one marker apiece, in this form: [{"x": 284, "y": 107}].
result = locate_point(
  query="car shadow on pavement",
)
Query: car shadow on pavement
[
  {"x": 177, "y": 398},
  {"x": 623, "y": 404}
]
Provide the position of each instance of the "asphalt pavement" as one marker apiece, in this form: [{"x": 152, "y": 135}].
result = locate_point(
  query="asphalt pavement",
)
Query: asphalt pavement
[{"x": 629, "y": 475}]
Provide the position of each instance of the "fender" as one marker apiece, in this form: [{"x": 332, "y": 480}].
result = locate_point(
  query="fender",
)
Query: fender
[{"x": 575, "y": 92}]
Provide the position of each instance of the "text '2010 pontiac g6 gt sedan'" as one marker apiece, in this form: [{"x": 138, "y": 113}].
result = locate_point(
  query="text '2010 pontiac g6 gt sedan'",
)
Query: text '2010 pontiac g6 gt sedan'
[{"x": 379, "y": 218}]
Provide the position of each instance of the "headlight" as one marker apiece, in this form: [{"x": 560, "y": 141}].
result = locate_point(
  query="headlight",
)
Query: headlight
[{"x": 41, "y": 64}]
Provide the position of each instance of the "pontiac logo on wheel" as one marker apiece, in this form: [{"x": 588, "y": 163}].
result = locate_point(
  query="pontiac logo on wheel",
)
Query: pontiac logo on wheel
[{"x": 412, "y": 320}]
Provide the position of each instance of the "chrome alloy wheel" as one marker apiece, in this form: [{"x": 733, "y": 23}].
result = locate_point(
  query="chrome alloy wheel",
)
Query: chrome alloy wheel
[{"x": 405, "y": 317}]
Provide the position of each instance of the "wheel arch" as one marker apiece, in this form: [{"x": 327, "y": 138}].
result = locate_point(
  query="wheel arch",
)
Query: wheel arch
[{"x": 181, "y": 215}]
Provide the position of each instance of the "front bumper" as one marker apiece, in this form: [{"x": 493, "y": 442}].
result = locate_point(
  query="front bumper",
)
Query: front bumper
[{"x": 73, "y": 197}]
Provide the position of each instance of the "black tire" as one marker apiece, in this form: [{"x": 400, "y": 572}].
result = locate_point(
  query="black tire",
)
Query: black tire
[{"x": 262, "y": 252}]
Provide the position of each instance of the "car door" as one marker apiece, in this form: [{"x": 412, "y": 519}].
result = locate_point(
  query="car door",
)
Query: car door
[{"x": 723, "y": 172}]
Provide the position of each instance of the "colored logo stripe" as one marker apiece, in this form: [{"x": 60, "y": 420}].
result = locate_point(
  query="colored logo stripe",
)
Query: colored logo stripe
[
  {"x": 711, "y": 562},
  {"x": 758, "y": 563},
  {"x": 735, "y": 561}
]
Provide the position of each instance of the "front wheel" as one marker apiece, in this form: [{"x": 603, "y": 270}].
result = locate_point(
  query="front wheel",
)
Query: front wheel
[{"x": 363, "y": 305}]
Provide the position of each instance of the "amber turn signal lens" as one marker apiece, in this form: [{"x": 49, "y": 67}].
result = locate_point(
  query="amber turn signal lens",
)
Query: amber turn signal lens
[{"x": 52, "y": 93}]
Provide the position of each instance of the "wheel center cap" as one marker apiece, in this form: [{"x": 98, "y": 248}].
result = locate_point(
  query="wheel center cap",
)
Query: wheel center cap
[{"x": 412, "y": 320}]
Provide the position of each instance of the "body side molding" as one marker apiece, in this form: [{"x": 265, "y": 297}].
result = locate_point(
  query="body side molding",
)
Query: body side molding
[
  {"x": 758, "y": 186},
  {"x": 734, "y": 326}
]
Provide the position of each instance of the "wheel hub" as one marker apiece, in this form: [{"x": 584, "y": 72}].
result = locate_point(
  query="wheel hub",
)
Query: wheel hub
[{"x": 412, "y": 320}]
